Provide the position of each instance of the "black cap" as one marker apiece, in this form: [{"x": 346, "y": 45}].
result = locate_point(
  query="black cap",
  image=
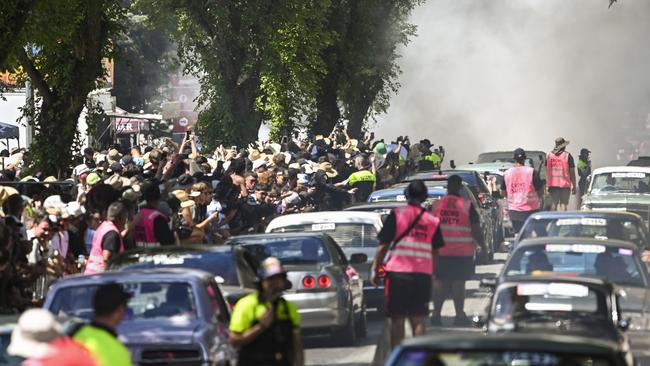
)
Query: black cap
[
  {"x": 185, "y": 180},
  {"x": 108, "y": 298},
  {"x": 519, "y": 153},
  {"x": 116, "y": 167},
  {"x": 584, "y": 151}
]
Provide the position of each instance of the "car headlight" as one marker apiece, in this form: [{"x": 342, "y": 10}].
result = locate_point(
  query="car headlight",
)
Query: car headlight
[{"x": 637, "y": 321}]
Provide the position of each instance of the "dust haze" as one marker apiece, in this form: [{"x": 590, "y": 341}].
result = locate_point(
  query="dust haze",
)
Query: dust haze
[{"x": 496, "y": 74}]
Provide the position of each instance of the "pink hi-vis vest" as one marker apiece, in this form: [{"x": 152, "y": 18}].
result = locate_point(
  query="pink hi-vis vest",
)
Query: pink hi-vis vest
[
  {"x": 414, "y": 253},
  {"x": 456, "y": 226},
  {"x": 96, "y": 262},
  {"x": 557, "y": 170},
  {"x": 143, "y": 233},
  {"x": 521, "y": 191}
]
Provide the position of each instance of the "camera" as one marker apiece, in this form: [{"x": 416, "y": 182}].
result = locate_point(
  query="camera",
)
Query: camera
[{"x": 340, "y": 126}]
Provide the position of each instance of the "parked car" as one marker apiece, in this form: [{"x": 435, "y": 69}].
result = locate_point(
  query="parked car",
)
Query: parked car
[
  {"x": 640, "y": 161},
  {"x": 535, "y": 157},
  {"x": 354, "y": 231},
  {"x": 587, "y": 224},
  {"x": 176, "y": 316},
  {"x": 622, "y": 188},
  {"x": 507, "y": 349},
  {"x": 327, "y": 290},
  {"x": 616, "y": 261},
  {"x": 396, "y": 193},
  {"x": 231, "y": 266},
  {"x": 580, "y": 306}
]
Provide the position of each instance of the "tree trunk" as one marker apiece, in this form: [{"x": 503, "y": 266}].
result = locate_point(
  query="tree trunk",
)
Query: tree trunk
[
  {"x": 357, "y": 116},
  {"x": 327, "y": 104}
]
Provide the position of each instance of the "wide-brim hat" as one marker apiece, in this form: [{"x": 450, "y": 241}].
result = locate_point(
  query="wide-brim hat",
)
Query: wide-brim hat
[
  {"x": 328, "y": 169},
  {"x": 31, "y": 336},
  {"x": 254, "y": 154},
  {"x": 560, "y": 143},
  {"x": 113, "y": 156}
]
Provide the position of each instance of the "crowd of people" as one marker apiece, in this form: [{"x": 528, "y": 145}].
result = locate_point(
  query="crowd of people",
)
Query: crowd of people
[{"x": 169, "y": 193}]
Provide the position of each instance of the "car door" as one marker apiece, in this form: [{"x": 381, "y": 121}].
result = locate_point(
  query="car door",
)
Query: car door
[
  {"x": 218, "y": 331},
  {"x": 347, "y": 271}
]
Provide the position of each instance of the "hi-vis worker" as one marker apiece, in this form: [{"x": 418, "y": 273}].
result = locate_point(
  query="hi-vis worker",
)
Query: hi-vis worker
[
  {"x": 560, "y": 175},
  {"x": 461, "y": 231},
  {"x": 151, "y": 226},
  {"x": 522, "y": 186},
  {"x": 410, "y": 237},
  {"x": 107, "y": 239},
  {"x": 364, "y": 179}
]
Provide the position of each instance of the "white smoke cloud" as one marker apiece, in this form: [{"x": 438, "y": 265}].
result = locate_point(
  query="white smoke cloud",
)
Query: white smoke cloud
[{"x": 497, "y": 74}]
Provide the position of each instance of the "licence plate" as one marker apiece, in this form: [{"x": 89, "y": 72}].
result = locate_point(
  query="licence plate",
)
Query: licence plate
[{"x": 323, "y": 227}]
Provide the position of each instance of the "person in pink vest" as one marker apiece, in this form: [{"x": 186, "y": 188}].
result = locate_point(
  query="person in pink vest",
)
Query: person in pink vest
[
  {"x": 150, "y": 226},
  {"x": 461, "y": 231},
  {"x": 523, "y": 188},
  {"x": 410, "y": 237},
  {"x": 107, "y": 240},
  {"x": 560, "y": 175}
]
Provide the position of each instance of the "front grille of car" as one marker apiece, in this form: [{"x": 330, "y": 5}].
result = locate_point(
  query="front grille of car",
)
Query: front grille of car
[
  {"x": 641, "y": 210},
  {"x": 176, "y": 357}
]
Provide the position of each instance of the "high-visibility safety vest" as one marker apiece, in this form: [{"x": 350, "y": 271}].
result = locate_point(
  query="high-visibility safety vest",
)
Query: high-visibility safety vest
[
  {"x": 520, "y": 189},
  {"x": 456, "y": 226},
  {"x": 362, "y": 176},
  {"x": 557, "y": 170},
  {"x": 143, "y": 233},
  {"x": 434, "y": 159},
  {"x": 96, "y": 262},
  {"x": 414, "y": 253},
  {"x": 106, "y": 348}
]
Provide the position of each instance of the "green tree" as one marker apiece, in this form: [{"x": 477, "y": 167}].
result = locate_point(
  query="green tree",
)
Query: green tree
[
  {"x": 144, "y": 59},
  {"x": 257, "y": 60},
  {"x": 13, "y": 17},
  {"x": 61, "y": 47}
]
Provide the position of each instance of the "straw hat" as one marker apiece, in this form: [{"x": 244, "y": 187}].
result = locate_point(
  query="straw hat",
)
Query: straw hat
[
  {"x": 328, "y": 169},
  {"x": 184, "y": 198}
]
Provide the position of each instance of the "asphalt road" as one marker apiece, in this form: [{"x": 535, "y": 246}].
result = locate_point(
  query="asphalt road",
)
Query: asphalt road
[{"x": 320, "y": 351}]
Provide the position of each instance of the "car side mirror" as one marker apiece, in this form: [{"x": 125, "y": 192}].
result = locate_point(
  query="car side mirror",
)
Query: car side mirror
[
  {"x": 624, "y": 324},
  {"x": 358, "y": 258},
  {"x": 478, "y": 321},
  {"x": 489, "y": 282}
]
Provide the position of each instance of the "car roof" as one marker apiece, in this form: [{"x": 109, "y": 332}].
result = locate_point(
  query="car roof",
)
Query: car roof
[
  {"x": 513, "y": 342},
  {"x": 173, "y": 249},
  {"x": 296, "y": 235},
  {"x": 621, "y": 169},
  {"x": 574, "y": 240},
  {"x": 129, "y": 275},
  {"x": 579, "y": 214},
  {"x": 555, "y": 278},
  {"x": 490, "y": 168},
  {"x": 362, "y": 206},
  {"x": 439, "y": 174},
  {"x": 341, "y": 217},
  {"x": 400, "y": 190}
]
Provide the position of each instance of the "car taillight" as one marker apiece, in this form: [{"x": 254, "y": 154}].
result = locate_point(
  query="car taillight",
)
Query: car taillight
[
  {"x": 481, "y": 197},
  {"x": 308, "y": 281},
  {"x": 324, "y": 281}
]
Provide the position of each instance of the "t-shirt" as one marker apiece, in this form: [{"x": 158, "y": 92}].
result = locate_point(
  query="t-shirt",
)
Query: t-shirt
[
  {"x": 249, "y": 311},
  {"x": 388, "y": 232},
  {"x": 111, "y": 242}
]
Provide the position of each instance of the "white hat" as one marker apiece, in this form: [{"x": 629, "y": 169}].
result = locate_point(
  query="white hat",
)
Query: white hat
[
  {"x": 35, "y": 329},
  {"x": 303, "y": 179},
  {"x": 308, "y": 169},
  {"x": 53, "y": 202},
  {"x": 74, "y": 209},
  {"x": 80, "y": 169},
  {"x": 259, "y": 163}
]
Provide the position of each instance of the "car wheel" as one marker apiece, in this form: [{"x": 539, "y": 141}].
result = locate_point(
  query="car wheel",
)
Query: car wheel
[
  {"x": 346, "y": 336},
  {"x": 361, "y": 326}
]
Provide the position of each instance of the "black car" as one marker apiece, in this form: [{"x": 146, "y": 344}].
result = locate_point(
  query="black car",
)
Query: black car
[
  {"x": 231, "y": 266},
  {"x": 616, "y": 261},
  {"x": 557, "y": 305},
  {"x": 507, "y": 349}
]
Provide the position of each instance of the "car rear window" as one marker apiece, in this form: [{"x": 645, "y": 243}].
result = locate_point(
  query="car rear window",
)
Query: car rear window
[
  {"x": 150, "y": 300},
  {"x": 426, "y": 357},
  {"x": 220, "y": 264},
  {"x": 616, "y": 264},
  {"x": 288, "y": 250},
  {"x": 345, "y": 234}
]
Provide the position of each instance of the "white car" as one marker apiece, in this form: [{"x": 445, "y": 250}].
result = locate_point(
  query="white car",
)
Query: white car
[{"x": 354, "y": 231}]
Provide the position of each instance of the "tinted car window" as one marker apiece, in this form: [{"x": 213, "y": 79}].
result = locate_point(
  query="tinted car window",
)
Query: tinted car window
[
  {"x": 150, "y": 301},
  {"x": 621, "y": 182},
  {"x": 586, "y": 227},
  {"x": 425, "y": 357},
  {"x": 616, "y": 264},
  {"x": 288, "y": 250},
  {"x": 345, "y": 234},
  {"x": 218, "y": 263}
]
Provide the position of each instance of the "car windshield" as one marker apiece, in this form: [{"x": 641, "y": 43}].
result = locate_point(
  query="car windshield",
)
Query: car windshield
[
  {"x": 288, "y": 250},
  {"x": 534, "y": 300},
  {"x": 621, "y": 182},
  {"x": 220, "y": 264},
  {"x": 345, "y": 234},
  {"x": 392, "y": 196},
  {"x": 151, "y": 300},
  {"x": 426, "y": 357},
  {"x": 616, "y": 264},
  {"x": 586, "y": 227},
  {"x": 534, "y": 157}
]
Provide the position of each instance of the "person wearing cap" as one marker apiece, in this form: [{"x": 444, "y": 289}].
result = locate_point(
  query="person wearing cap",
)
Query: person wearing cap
[
  {"x": 412, "y": 236},
  {"x": 38, "y": 340},
  {"x": 107, "y": 240},
  {"x": 523, "y": 188},
  {"x": 150, "y": 227},
  {"x": 584, "y": 171},
  {"x": 461, "y": 232},
  {"x": 560, "y": 175},
  {"x": 364, "y": 179},
  {"x": 264, "y": 327},
  {"x": 100, "y": 336}
]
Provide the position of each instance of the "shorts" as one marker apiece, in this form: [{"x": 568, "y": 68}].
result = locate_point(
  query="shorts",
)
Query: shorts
[
  {"x": 454, "y": 268},
  {"x": 559, "y": 195},
  {"x": 407, "y": 294}
]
